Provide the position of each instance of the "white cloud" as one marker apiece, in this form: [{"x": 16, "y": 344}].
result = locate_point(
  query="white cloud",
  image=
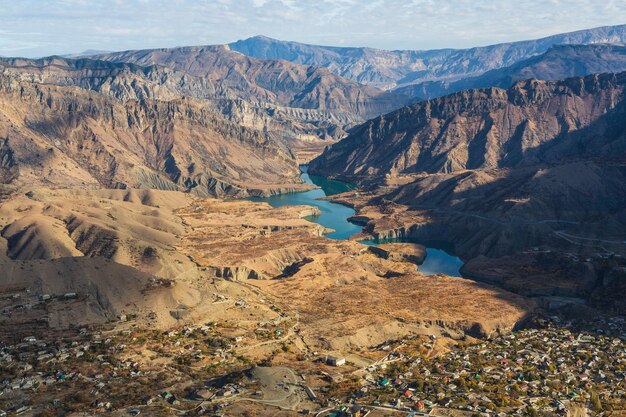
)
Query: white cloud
[{"x": 40, "y": 27}]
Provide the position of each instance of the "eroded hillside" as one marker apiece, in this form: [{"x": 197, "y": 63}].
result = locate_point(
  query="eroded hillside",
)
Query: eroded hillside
[
  {"x": 533, "y": 122},
  {"x": 66, "y": 136},
  {"x": 527, "y": 185},
  {"x": 160, "y": 255}
]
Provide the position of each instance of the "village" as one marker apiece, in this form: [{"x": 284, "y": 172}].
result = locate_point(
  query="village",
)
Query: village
[
  {"x": 537, "y": 371},
  {"x": 552, "y": 367}
]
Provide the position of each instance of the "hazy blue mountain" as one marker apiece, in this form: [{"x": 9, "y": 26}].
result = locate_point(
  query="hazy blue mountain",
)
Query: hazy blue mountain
[
  {"x": 86, "y": 53},
  {"x": 393, "y": 69},
  {"x": 561, "y": 61}
]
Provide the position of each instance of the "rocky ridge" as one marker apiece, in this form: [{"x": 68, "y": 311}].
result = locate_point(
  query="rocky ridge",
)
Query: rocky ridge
[
  {"x": 558, "y": 62},
  {"x": 126, "y": 81},
  {"x": 532, "y": 122},
  {"x": 501, "y": 175},
  {"x": 328, "y": 98}
]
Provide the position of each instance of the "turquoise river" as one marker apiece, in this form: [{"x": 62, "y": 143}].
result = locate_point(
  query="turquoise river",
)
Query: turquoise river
[{"x": 335, "y": 216}]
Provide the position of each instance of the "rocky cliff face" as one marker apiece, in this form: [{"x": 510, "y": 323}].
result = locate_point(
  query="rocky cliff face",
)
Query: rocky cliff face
[
  {"x": 393, "y": 69},
  {"x": 132, "y": 82},
  {"x": 67, "y": 136},
  {"x": 120, "y": 80},
  {"x": 268, "y": 81},
  {"x": 532, "y": 122},
  {"x": 527, "y": 185},
  {"x": 9, "y": 170}
]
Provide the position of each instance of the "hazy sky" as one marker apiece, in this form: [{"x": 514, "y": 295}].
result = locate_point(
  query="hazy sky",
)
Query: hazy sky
[{"x": 44, "y": 27}]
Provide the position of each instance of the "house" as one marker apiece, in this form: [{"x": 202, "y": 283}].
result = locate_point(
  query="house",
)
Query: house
[
  {"x": 224, "y": 393},
  {"x": 334, "y": 361},
  {"x": 203, "y": 394}
]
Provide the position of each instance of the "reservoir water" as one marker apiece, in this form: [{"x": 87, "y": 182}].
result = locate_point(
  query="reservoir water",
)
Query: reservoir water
[{"x": 335, "y": 216}]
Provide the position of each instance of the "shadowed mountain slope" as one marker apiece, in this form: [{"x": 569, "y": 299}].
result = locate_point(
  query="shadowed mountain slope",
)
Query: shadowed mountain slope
[{"x": 532, "y": 122}]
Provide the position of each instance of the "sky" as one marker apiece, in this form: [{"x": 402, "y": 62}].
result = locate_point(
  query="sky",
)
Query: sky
[{"x": 34, "y": 28}]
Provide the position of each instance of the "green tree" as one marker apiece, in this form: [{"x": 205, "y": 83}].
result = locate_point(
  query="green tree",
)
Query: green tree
[{"x": 530, "y": 412}]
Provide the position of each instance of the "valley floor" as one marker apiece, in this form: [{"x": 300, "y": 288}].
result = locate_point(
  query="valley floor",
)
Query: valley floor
[{"x": 116, "y": 300}]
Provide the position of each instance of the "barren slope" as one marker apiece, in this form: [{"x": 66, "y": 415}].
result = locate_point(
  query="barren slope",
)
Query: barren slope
[
  {"x": 279, "y": 82},
  {"x": 530, "y": 123},
  {"x": 67, "y": 136},
  {"x": 170, "y": 258},
  {"x": 339, "y": 291}
]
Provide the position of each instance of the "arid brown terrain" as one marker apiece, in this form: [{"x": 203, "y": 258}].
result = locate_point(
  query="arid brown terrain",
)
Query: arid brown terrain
[
  {"x": 513, "y": 173},
  {"x": 175, "y": 246},
  {"x": 135, "y": 276},
  {"x": 65, "y": 136}
]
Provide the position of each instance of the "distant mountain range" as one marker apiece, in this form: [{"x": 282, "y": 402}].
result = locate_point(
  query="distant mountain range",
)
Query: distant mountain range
[
  {"x": 395, "y": 69},
  {"x": 86, "y": 53},
  {"x": 264, "y": 108},
  {"x": 558, "y": 62}
]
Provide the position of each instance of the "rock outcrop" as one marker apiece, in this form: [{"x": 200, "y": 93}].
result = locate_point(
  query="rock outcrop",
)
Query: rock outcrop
[{"x": 400, "y": 252}]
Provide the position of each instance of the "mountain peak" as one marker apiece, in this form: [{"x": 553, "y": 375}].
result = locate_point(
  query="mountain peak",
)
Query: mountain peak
[{"x": 262, "y": 38}]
